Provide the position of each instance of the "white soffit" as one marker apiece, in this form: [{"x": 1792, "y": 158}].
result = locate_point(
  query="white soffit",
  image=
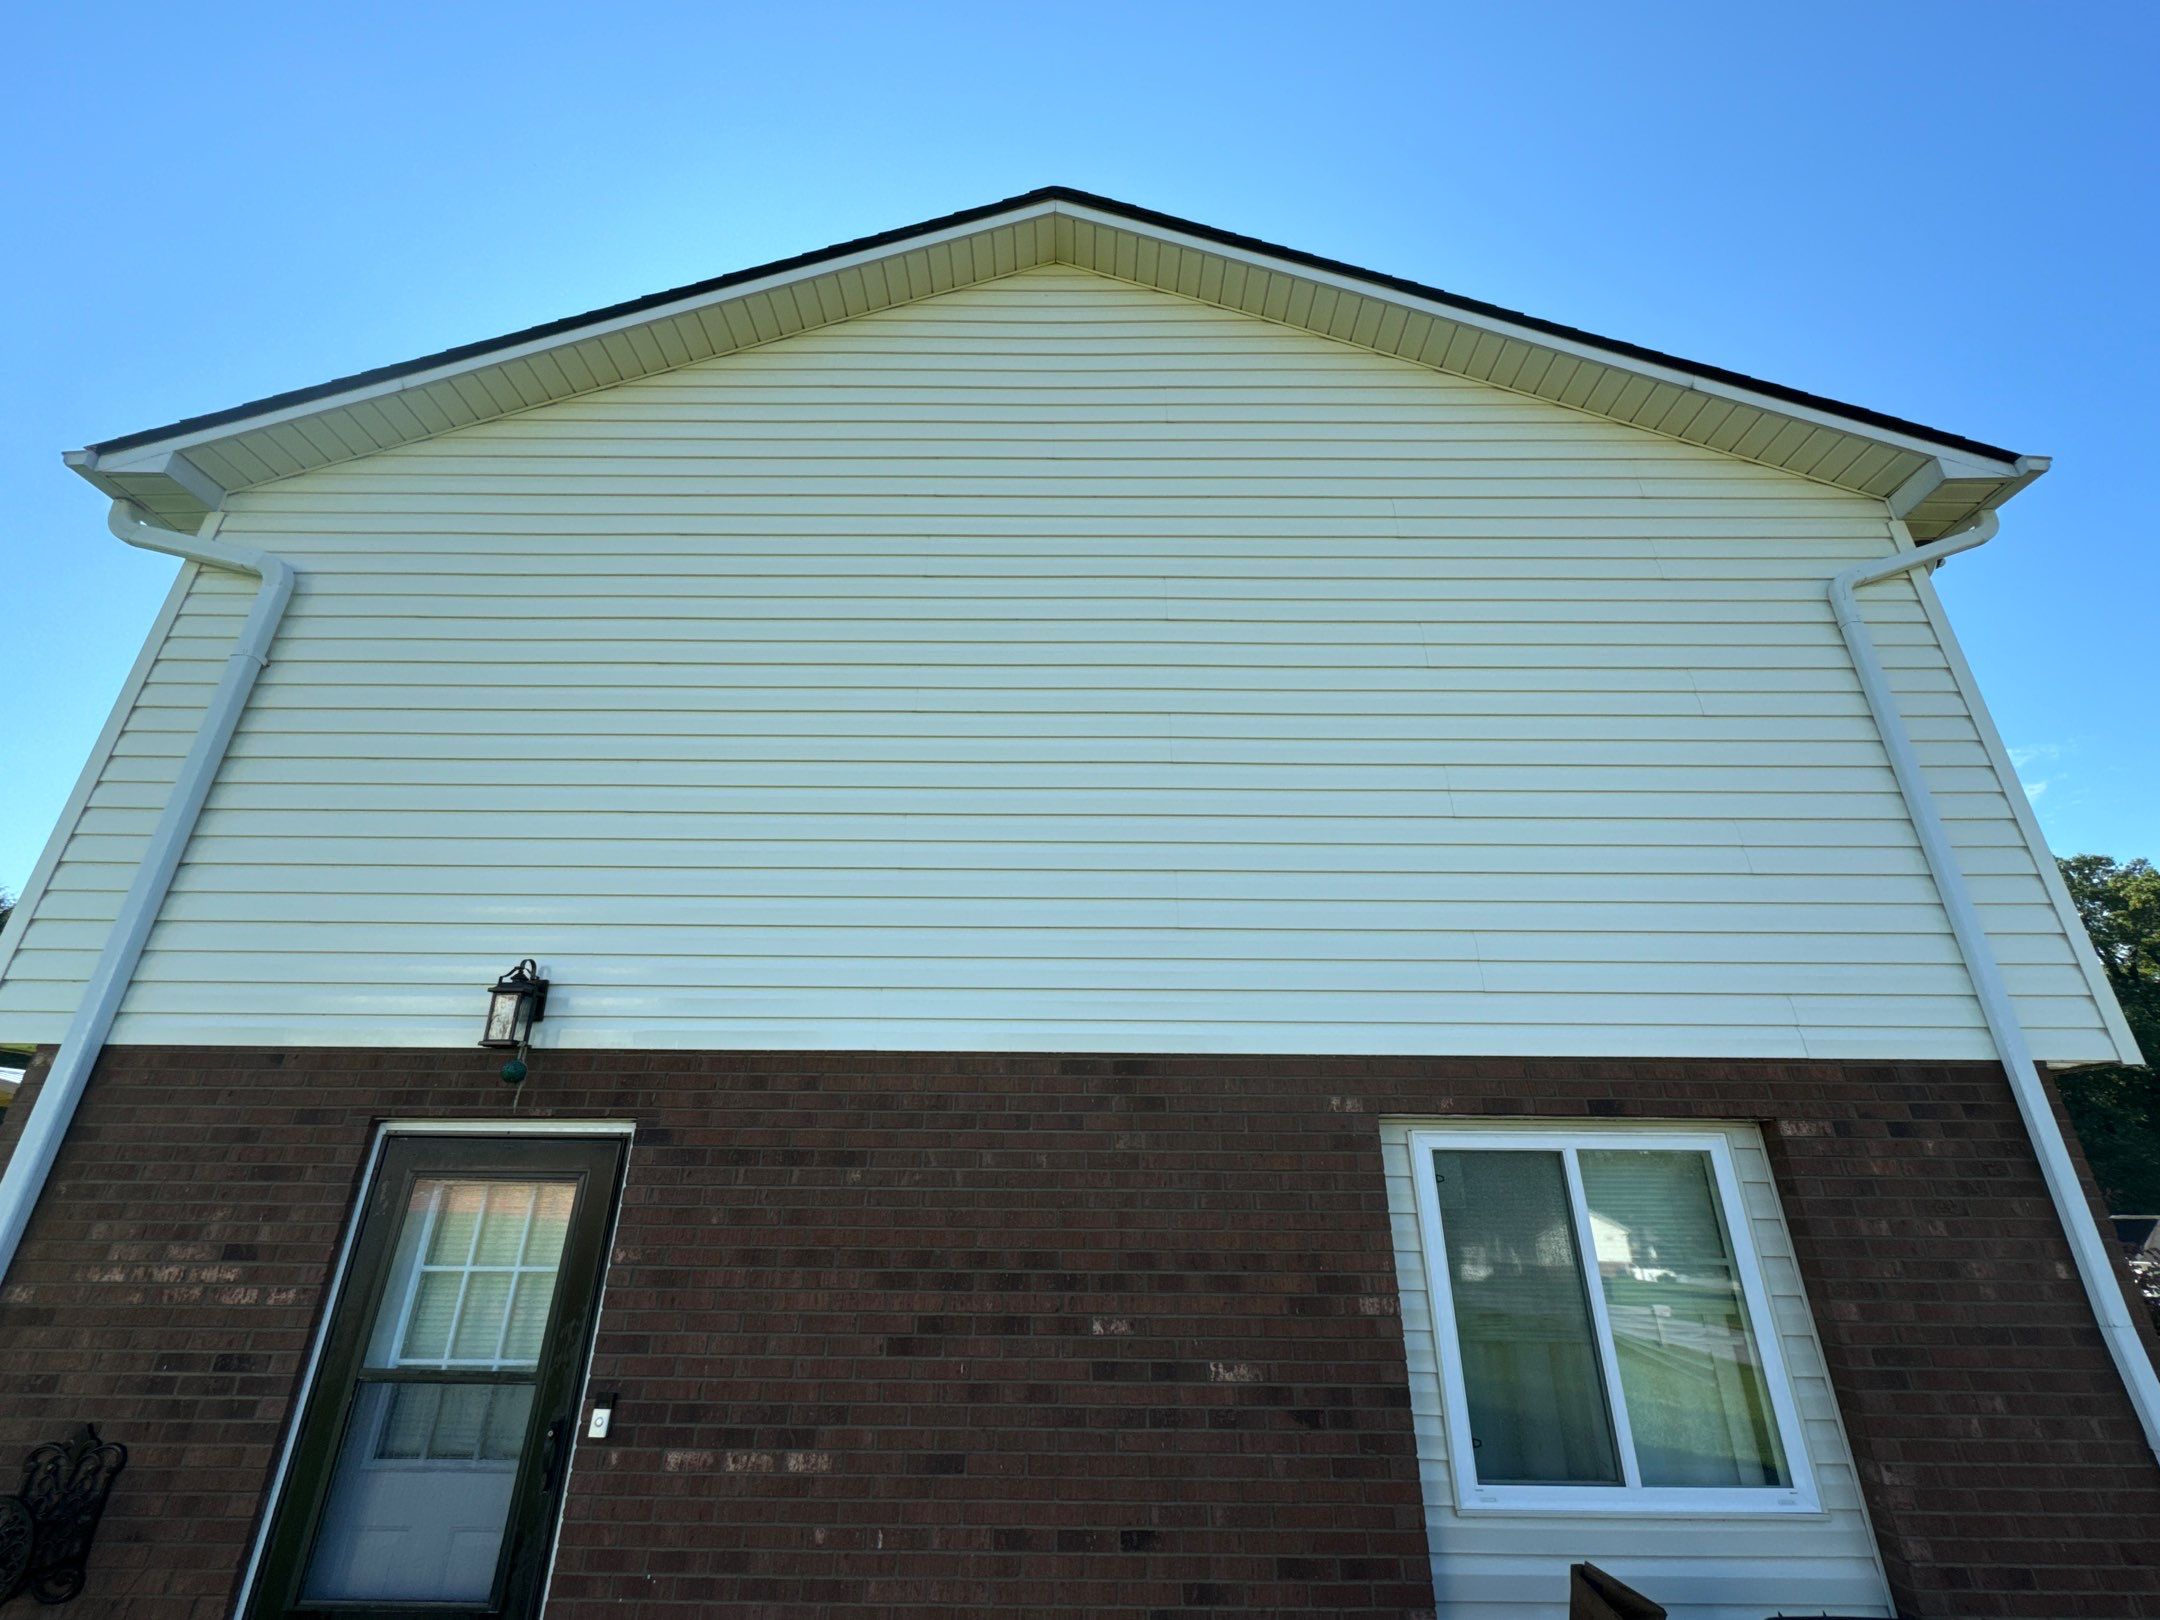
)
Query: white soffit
[{"x": 180, "y": 473}]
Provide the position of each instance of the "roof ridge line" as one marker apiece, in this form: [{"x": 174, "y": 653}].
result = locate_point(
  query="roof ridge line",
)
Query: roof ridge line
[{"x": 1131, "y": 213}]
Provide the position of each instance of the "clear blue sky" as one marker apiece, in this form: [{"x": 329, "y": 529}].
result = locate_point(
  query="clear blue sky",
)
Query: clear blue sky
[{"x": 1943, "y": 211}]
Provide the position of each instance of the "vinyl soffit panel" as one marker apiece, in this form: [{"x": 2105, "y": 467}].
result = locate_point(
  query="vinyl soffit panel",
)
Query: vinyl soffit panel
[{"x": 178, "y": 469}]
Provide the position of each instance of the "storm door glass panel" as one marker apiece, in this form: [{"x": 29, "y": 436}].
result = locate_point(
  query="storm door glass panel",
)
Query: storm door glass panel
[
  {"x": 442, "y": 1409},
  {"x": 1530, "y": 1363},
  {"x": 1690, "y": 1367}
]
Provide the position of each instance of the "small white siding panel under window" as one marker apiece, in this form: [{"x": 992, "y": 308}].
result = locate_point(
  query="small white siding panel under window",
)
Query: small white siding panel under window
[
  {"x": 1060, "y": 664},
  {"x": 1503, "y": 1566}
]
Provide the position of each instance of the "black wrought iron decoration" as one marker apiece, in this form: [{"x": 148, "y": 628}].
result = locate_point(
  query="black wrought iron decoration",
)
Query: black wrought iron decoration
[{"x": 47, "y": 1526}]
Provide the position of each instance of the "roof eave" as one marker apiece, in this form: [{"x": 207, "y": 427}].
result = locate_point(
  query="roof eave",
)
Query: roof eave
[{"x": 154, "y": 469}]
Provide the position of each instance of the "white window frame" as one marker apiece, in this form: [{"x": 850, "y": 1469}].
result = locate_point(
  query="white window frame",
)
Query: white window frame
[{"x": 1633, "y": 1497}]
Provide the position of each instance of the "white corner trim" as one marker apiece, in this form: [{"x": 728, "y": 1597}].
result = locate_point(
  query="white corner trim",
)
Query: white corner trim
[
  {"x": 37, "y": 1148},
  {"x": 2098, "y": 1263},
  {"x": 1961, "y": 674},
  {"x": 101, "y": 751},
  {"x": 194, "y": 480},
  {"x": 1923, "y": 483}
]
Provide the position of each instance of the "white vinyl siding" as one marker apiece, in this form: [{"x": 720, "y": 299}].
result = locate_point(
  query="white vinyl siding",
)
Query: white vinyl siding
[
  {"x": 1060, "y": 664},
  {"x": 1513, "y": 1566}
]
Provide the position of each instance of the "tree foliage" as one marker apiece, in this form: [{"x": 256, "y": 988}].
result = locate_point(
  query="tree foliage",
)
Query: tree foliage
[{"x": 2117, "y": 1110}]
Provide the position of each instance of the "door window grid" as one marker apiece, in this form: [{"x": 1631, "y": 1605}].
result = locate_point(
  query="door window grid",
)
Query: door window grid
[
  {"x": 417, "y": 1425},
  {"x": 529, "y": 1277}
]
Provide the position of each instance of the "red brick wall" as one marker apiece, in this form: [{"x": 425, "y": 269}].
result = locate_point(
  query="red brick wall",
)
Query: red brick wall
[{"x": 919, "y": 1335}]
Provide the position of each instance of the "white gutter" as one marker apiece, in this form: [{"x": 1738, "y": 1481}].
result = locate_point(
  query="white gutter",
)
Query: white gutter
[
  {"x": 2094, "y": 1256},
  {"x": 69, "y": 1075}
]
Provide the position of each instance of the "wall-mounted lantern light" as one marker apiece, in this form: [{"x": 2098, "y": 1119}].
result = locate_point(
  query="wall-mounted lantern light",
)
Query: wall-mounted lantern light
[{"x": 516, "y": 1003}]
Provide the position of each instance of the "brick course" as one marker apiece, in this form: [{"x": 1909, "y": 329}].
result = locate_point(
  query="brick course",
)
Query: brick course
[{"x": 906, "y": 1335}]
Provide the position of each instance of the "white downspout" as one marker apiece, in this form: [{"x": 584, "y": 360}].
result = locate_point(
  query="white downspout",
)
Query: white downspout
[
  {"x": 65, "y": 1081},
  {"x": 2095, "y": 1261}
]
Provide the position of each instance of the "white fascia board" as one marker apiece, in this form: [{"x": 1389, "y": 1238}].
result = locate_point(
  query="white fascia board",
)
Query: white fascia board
[
  {"x": 1956, "y": 463},
  {"x": 150, "y": 458},
  {"x": 86, "y": 463}
]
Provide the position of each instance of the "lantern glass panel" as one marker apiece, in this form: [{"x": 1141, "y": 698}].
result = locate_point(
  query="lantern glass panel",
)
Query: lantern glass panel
[{"x": 509, "y": 1016}]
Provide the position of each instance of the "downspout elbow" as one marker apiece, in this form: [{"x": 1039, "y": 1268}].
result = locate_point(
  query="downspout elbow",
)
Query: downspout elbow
[
  {"x": 1846, "y": 606},
  {"x": 132, "y": 526}
]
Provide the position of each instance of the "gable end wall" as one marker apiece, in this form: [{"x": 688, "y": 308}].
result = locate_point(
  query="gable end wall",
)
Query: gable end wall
[{"x": 1058, "y": 664}]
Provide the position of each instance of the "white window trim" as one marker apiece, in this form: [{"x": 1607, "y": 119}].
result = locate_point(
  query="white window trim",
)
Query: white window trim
[{"x": 1473, "y": 1497}]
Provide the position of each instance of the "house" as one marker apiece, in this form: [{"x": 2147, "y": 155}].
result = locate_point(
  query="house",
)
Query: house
[
  {"x": 2139, "y": 1236},
  {"x": 1167, "y": 928}
]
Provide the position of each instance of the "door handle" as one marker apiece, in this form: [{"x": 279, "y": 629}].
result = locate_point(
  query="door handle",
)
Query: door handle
[{"x": 554, "y": 1454}]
